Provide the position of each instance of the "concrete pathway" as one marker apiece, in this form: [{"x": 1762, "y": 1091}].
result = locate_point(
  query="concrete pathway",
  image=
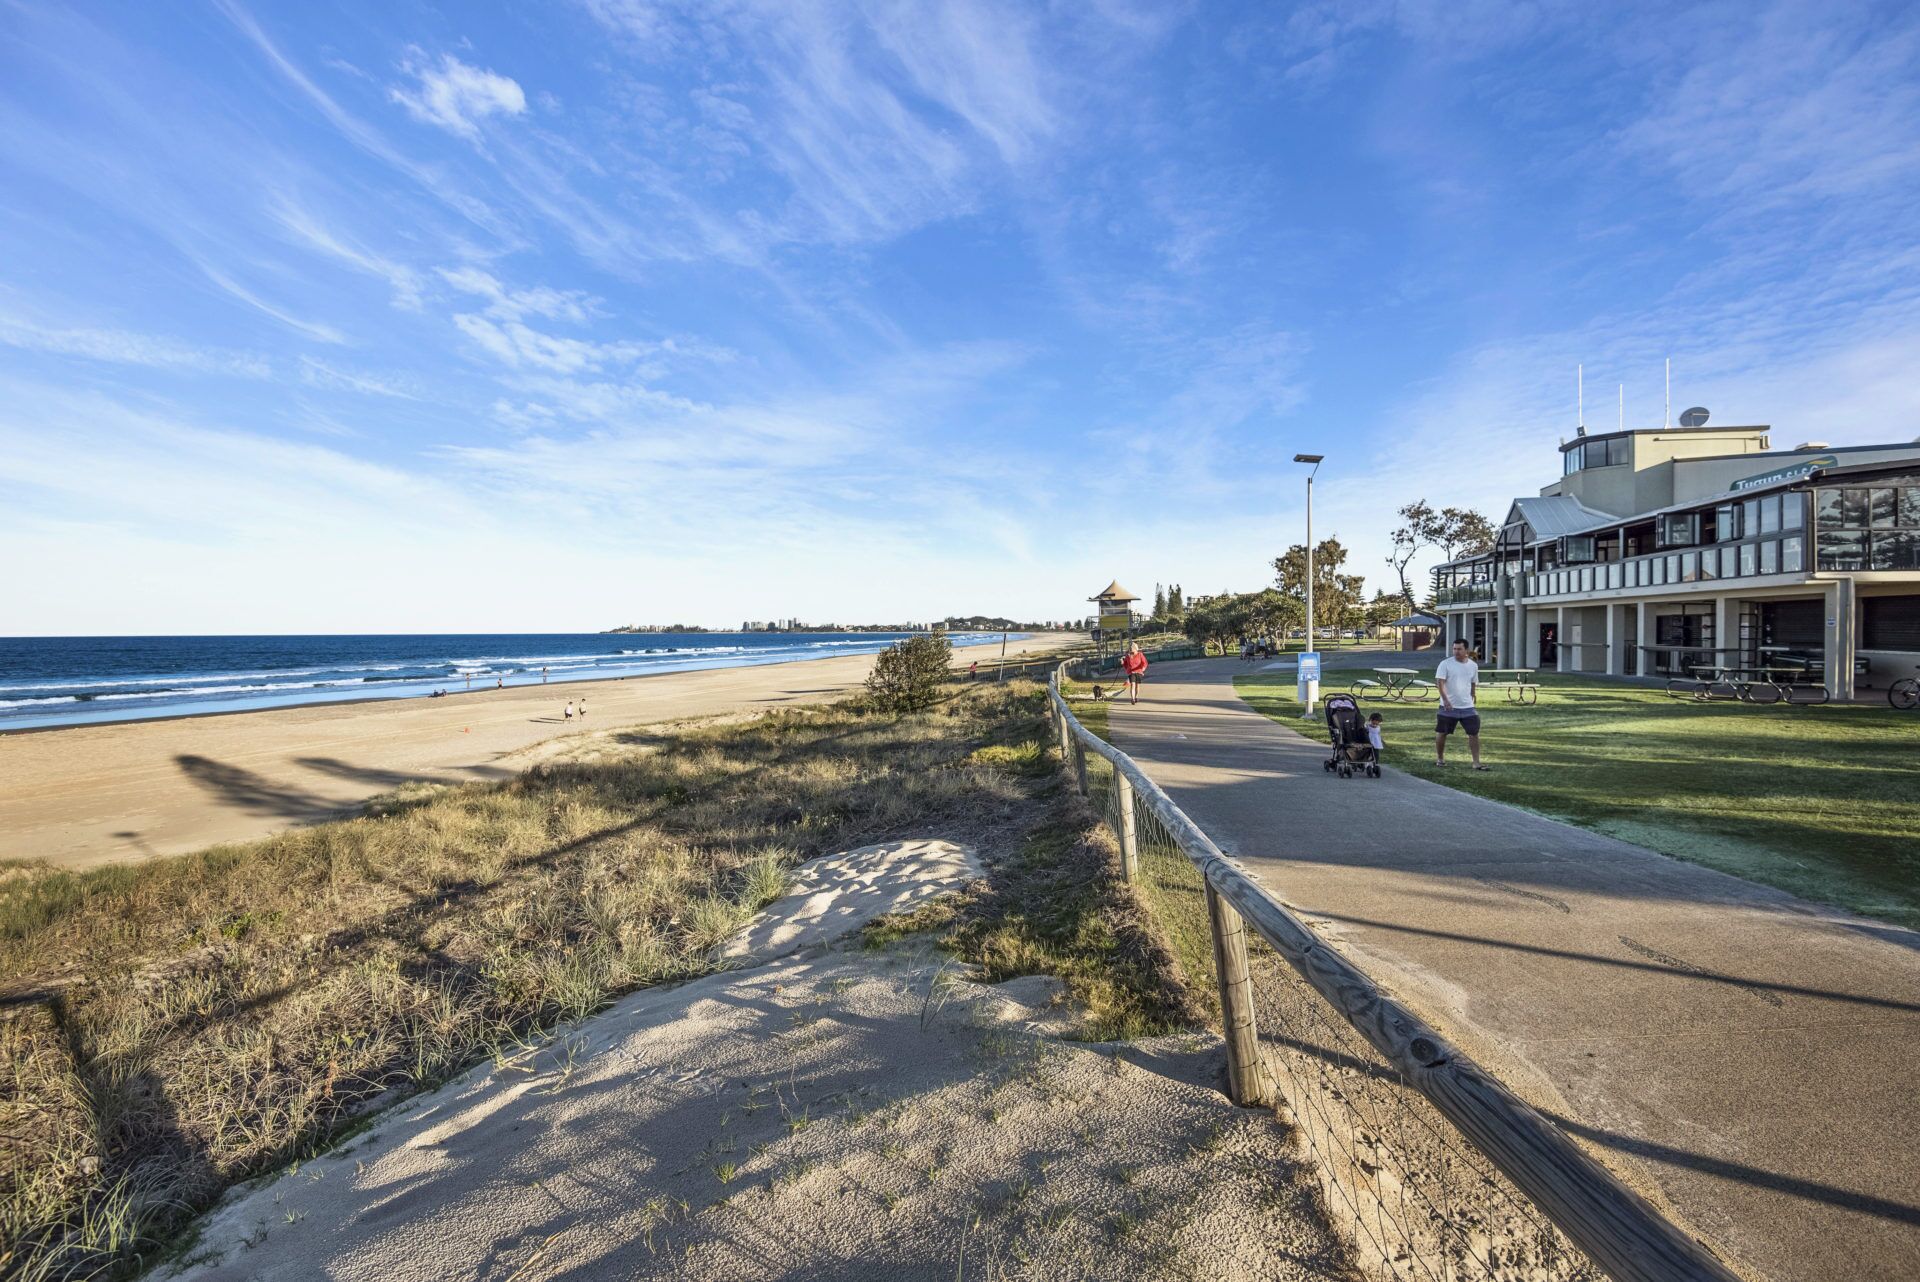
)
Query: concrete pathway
[{"x": 1751, "y": 1054}]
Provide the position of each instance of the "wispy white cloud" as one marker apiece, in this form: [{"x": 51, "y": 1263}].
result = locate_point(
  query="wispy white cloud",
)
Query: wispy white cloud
[
  {"x": 516, "y": 304},
  {"x": 319, "y": 331},
  {"x": 308, "y": 229},
  {"x": 455, "y": 96},
  {"x": 318, "y": 373},
  {"x": 123, "y": 347}
]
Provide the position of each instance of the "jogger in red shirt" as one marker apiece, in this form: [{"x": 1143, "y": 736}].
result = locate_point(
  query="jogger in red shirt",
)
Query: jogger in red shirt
[{"x": 1134, "y": 664}]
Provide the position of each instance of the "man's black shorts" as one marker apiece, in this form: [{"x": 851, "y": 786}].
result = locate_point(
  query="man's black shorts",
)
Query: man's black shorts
[{"x": 1468, "y": 721}]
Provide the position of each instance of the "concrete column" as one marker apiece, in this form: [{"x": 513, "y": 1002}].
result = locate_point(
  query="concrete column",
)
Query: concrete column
[
  {"x": 1725, "y": 620},
  {"x": 1841, "y": 643},
  {"x": 1642, "y": 636},
  {"x": 1615, "y": 654},
  {"x": 1560, "y": 638}
]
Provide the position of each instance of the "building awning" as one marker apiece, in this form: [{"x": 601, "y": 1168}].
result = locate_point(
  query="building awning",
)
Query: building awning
[{"x": 1416, "y": 621}]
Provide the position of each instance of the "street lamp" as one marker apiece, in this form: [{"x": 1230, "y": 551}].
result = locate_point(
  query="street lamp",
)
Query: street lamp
[{"x": 1312, "y": 684}]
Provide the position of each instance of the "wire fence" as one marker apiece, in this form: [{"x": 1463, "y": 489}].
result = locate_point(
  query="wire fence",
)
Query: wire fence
[{"x": 1422, "y": 1155}]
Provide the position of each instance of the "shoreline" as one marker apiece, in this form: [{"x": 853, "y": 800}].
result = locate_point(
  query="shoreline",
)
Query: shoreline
[
  {"x": 117, "y": 791},
  {"x": 364, "y": 700}
]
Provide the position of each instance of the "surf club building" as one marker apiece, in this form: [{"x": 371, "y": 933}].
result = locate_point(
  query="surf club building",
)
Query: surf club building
[{"x": 1661, "y": 551}]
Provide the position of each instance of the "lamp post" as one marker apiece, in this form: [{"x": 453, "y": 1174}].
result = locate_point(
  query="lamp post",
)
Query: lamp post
[{"x": 1312, "y": 684}]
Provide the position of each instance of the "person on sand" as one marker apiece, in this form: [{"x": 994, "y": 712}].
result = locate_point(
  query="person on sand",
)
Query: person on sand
[
  {"x": 499, "y": 683},
  {"x": 1457, "y": 677},
  {"x": 583, "y": 707},
  {"x": 569, "y": 712},
  {"x": 1134, "y": 665}
]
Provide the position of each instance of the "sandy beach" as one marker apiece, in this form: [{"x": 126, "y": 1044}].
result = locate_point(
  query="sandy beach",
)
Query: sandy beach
[{"x": 91, "y": 795}]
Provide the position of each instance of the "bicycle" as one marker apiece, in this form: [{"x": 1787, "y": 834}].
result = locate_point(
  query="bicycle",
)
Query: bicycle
[{"x": 1904, "y": 694}]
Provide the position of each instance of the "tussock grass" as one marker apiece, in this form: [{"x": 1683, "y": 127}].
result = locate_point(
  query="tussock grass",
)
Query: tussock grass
[{"x": 175, "y": 1026}]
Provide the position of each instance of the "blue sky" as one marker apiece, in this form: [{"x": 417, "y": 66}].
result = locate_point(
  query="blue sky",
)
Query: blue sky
[{"x": 409, "y": 317}]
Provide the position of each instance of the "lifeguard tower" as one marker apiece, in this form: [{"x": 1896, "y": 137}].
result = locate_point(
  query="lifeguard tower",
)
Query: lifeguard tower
[{"x": 1113, "y": 614}]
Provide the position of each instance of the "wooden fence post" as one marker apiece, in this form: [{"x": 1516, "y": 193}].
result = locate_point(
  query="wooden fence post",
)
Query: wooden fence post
[
  {"x": 1246, "y": 1076},
  {"x": 1129, "y": 835},
  {"x": 1080, "y": 765}
]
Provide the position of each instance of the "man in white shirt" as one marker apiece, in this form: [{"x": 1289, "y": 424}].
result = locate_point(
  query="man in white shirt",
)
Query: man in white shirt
[{"x": 1457, "y": 677}]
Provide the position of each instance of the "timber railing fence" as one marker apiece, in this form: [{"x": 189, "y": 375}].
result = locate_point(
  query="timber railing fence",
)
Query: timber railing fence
[{"x": 1438, "y": 1170}]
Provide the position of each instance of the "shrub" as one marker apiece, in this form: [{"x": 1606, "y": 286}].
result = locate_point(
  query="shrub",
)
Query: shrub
[{"x": 907, "y": 677}]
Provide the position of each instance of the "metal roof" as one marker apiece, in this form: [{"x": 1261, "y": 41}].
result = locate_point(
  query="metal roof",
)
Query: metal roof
[{"x": 1552, "y": 515}]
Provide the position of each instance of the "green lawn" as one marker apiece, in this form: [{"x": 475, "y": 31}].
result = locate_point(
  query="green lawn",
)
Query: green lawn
[{"x": 1818, "y": 801}]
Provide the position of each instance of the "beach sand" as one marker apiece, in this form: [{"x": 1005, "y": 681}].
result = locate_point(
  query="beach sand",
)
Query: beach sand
[{"x": 91, "y": 795}]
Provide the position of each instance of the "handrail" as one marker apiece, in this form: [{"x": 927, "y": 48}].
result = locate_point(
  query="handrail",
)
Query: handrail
[{"x": 1618, "y": 1229}]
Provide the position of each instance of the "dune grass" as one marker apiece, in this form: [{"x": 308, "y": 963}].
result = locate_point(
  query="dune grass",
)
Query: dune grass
[
  {"x": 174, "y": 1026},
  {"x": 1817, "y": 801}
]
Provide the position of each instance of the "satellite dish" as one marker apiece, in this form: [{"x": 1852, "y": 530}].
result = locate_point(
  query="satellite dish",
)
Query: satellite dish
[{"x": 1695, "y": 417}]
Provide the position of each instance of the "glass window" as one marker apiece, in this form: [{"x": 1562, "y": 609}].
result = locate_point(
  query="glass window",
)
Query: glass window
[
  {"x": 1749, "y": 559},
  {"x": 1843, "y": 550},
  {"x": 1895, "y": 550},
  {"x": 1689, "y": 566},
  {"x": 1726, "y": 522},
  {"x": 1827, "y": 509},
  {"x": 1586, "y": 579},
  {"x": 1793, "y": 554},
  {"x": 1770, "y": 557},
  {"x": 1853, "y": 507},
  {"x": 1750, "y": 517},
  {"x": 1793, "y": 510},
  {"x": 1673, "y": 568},
  {"x": 1680, "y": 530},
  {"x": 1659, "y": 566},
  {"x": 1572, "y": 459},
  {"x": 1617, "y": 451},
  {"x": 1579, "y": 547},
  {"x": 1710, "y": 563},
  {"x": 1613, "y": 575},
  {"x": 1882, "y": 506},
  {"x": 1910, "y": 507},
  {"x": 1770, "y": 514},
  {"x": 1729, "y": 562}
]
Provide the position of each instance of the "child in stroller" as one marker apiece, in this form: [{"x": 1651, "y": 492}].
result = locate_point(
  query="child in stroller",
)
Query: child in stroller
[{"x": 1352, "y": 749}]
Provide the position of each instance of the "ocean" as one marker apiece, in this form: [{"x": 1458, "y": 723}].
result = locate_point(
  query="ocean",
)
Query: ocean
[{"x": 55, "y": 681}]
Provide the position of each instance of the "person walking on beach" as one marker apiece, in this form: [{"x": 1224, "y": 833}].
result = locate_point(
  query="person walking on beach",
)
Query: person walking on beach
[
  {"x": 543, "y": 676},
  {"x": 1134, "y": 665},
  {"x": 569, "y": 712},
  {"x": 1458, "y": 676},
  {"x": 499, "y": 683},
  {"x": 583, "y": 707}
]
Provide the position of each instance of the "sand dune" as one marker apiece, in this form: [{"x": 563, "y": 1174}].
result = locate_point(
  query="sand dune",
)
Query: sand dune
[{"x": 98, "y": 794}]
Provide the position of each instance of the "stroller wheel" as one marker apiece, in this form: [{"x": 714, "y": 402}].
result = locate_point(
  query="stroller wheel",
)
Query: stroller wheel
[
  {"x": 1346, "y": 772},
  {"x": 1373, "y": 771},
  {"x": 1327, "y": 764}
]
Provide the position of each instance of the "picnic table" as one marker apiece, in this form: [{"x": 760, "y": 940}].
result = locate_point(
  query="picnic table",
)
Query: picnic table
[
  {"x": 1392, "y": 683},
  {"x": 1760, "y": 684},
  {"x": 1516, "y": 683}
]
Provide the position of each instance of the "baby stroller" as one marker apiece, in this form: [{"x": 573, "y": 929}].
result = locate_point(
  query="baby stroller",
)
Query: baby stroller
[{"x": 1348, "y": 730}]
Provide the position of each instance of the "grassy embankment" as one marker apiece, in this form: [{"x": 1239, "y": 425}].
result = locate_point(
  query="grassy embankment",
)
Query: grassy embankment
[
  {"x": 1812, "y": 800},
  {"x": 182, "y": 1024}
]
